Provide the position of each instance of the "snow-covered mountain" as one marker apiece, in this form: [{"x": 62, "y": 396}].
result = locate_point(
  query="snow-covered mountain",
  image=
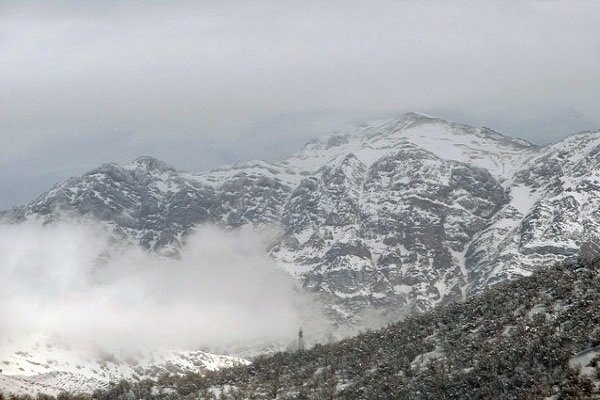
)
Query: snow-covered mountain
[
  {"x": 37, "y": 364},
  {"x": 396, "y": 215}
]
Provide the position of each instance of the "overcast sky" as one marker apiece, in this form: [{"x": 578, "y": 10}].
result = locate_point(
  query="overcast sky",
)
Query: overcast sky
[{"x": 199, "y": 84}]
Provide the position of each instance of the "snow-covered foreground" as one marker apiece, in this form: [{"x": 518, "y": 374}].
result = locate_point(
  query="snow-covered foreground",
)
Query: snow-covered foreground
[{"x": 39, "y": 364}]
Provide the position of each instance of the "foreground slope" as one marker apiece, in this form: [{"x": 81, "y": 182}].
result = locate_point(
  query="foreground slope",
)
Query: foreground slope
[
  {"x": 536, "y": 337},
  {"x": 397, "y": 215}
]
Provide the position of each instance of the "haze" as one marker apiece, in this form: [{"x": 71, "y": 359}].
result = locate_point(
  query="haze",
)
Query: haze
[{"x": 223, "y": 290}]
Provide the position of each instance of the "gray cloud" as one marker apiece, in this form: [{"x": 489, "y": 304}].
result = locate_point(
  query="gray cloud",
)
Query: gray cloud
[
  {"x": 226, "y": 290},
  {"x": 202, "y": 83}
]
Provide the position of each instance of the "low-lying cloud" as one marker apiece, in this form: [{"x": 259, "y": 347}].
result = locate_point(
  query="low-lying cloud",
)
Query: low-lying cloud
[{"x": 61, "y": 281}]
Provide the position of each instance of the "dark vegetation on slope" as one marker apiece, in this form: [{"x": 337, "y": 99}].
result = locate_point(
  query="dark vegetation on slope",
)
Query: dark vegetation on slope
[{"x": 516, "y": 340}]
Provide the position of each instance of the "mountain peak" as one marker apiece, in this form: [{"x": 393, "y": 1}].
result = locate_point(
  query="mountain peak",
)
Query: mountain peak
[
  {"x": 445, "y": 129},
  {"x": 413, "y": 115},
  {"x": 149, "y": 164}
]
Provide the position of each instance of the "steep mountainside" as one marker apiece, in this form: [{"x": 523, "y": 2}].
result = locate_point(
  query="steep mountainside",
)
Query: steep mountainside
[{"x": 400, "y": 214}]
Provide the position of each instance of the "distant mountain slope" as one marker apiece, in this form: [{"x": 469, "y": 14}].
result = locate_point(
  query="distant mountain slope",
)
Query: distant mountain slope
[
  {"x": 37, "y": 364},
  {"x": 536, "y": 337},
  {"x": 397, "y": 215}
]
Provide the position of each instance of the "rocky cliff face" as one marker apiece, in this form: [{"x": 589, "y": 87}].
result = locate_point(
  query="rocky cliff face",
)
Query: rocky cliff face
[{"x": 399, "y": 215}]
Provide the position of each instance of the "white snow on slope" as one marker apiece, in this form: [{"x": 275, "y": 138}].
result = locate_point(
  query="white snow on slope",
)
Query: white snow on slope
[
  {"x": 482, "y": 147},
  {"x": 38, "y": 364}
]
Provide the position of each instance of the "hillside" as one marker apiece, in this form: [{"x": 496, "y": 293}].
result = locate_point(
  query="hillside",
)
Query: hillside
[
  {"x": 45, "y": 367},
  {"x": 537, "y": 337}
]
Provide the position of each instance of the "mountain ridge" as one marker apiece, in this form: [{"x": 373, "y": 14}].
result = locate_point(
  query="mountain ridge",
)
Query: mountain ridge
[{"x": 409, "y": 211}]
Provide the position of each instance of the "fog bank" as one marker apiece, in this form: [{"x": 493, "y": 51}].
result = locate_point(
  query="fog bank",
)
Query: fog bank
[{"x": 60, "y": 280}]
